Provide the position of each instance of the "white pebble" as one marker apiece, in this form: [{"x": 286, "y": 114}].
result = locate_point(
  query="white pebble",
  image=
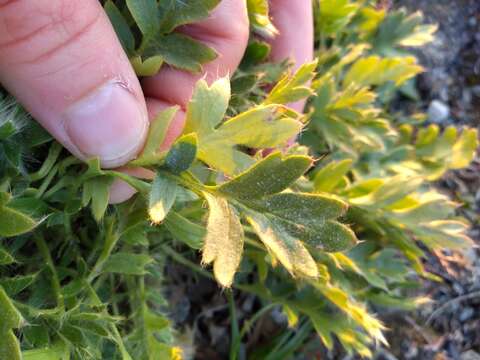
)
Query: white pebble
[{"x": 438, "y": 112}]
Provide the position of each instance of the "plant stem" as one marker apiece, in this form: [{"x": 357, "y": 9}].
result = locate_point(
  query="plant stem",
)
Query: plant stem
[
  {"x": 184, "y": 261},
  {"x": 47, "y": 165},
  {"x": 46, "y": 182},
  {"x": 42, "y": 246},
  {"x": 117, "y": 337},
  {"x": 235, "y": 337},
  {"x": 248, "y": 324},
  {"x": 111, "y": 238}
]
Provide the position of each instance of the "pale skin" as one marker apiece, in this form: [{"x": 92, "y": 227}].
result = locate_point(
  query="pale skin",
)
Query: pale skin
[{"x": 64, "y": 63}]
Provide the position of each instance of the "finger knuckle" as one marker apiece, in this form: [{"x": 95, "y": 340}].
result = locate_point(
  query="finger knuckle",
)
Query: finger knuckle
[{"x": 35, "y": 30}]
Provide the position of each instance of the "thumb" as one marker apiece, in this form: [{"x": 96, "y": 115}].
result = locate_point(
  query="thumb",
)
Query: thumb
[{"x": 62, "y": 60}]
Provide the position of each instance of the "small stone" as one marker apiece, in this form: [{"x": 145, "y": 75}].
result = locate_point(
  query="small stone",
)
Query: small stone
[
  {"x": 470, "y": 355},
  {"x": 438, "y": 112},
  {"x": 278, "y": 316},
  {"x": 466, "y": 314}
]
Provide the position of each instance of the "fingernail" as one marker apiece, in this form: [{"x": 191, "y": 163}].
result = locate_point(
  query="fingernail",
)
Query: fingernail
[{"x": 110, "y": 123}]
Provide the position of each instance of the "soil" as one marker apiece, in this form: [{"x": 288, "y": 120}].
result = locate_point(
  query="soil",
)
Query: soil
[{"x": 452, "y": 61}]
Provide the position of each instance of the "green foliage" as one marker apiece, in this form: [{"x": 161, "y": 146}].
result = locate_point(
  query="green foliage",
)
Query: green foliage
[
  {"x": 322, "y": 230},
  {"x": 146, "y": 31},
  {"x": 260, "y": 19}
]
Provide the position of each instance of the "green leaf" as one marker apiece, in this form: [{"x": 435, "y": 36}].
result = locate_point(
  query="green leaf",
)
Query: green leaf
[
  {"x": 327, "y": 179},
  {"x": 156, "y": 137},
  {"x": 184, "y": 230},
  {"x": 139, "y": 185},
  {"x": 155, "y": 322},
  {"x": 175, "y": 13},
  {"x": 73, "y": 334},
  {"x": 329, "y": 237},
  {"x": 301, "y": 208},
  {"x": 269, "y": 176},
  {"x": 13, "y": 222},
  {"x": 10, "y": 317},
  {"x": 97, "y": 190},
  {"x": 145, "y": 13},
  {"x": 258, "y": 14},
  {"x": 162, "y": 197},
  {"x": 293, "y": 88},
  {"x": 257, "y": 52},
  {"x": 335, "y": 15},
  {"x": 5, "y": 198},
  {"x": 272, "y": 124},
  {"x": 33, "y": 207},
  {"x": 182, "y": 154},
  {"x": 350, "y": 338},
  {"x": 291, "y": 252},
  {"x": 180, "y": 51},
  {"x": 55, "y": 352},
  {"x": 208, "y": 106},
  {"x": 17, "y": 284},
  {"x": 146, "y": 67},
  {"x": 444, "y": 233},
  {"x": 423, "y": 34},
  {"x": 353, "y": 310},
  {"x": 261, "y": 127},
  {"x": 376, "y": 193},
  {"x": 121, "y": 27},
  {"x": 10, "y": 346},
  {"x": 401, "y": 29},
  {"x": 308, "y": 218},
  {"x": 223, "y": 244},
  {"x": 375, "y": 70},
  {"x": 7, "y": 129},
  {"x": 5, "y": 257},
  {"x": 127, "y": 263},
  {"x": 463, "y": 151}
]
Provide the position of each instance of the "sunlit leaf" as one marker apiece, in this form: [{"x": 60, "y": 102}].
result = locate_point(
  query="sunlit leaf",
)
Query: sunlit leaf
[
  {"x": 258, "y": 13},
  {"x": 327, "y": 179},
  {"x": 224, "y": 240},
  {"x": 375, "y": 70},
  {"x": 291, "y": 252},
  {"x": 146, "y": 67},
  {"x": 261, "y": 127},
  {"x": 294, "y": 87},
  {"x": 162, "y": 197}
]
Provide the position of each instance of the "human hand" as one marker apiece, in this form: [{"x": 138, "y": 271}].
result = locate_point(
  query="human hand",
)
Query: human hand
[{"x": 62, "y": 60}]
